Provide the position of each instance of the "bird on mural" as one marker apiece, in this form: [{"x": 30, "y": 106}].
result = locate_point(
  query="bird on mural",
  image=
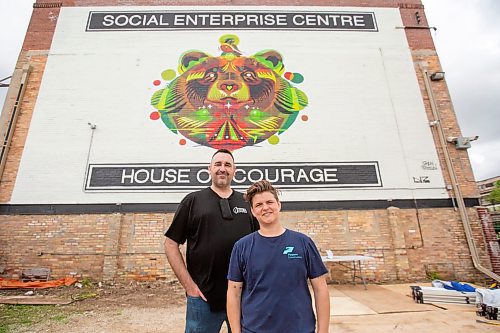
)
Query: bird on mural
[{"x": 229, "y": 44}]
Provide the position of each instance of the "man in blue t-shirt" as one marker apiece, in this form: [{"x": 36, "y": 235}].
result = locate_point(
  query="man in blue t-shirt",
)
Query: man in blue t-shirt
[{"x": 269, "y": 272}]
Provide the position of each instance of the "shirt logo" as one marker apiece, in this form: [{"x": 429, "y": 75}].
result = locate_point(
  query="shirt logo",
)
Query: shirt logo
[
  {"x": 238, "y": 210},
  {"x": 289, "y": 252}
]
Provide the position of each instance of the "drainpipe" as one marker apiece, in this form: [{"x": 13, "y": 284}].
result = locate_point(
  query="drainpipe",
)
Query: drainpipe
[
  {"x": 8, "y": 118},
  {"x": 454, "y": 182}
]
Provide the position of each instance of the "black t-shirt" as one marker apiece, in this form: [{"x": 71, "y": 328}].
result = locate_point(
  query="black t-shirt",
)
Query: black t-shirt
[{"x": 210, "y": 239}]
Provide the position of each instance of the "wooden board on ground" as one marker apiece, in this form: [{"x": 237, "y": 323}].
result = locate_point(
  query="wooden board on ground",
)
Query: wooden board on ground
[
  {"x": 33, "y": 300},
  {"x": 382, "y": 300}
]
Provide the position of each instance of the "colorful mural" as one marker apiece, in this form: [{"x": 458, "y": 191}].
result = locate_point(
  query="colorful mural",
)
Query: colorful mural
[{"x": 230, "y": 101}]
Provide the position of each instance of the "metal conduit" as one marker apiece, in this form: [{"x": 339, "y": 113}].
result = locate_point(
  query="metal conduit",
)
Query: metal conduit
[
  {"x": 12, "y": 118},
  {"x": 454, "y": 182}
]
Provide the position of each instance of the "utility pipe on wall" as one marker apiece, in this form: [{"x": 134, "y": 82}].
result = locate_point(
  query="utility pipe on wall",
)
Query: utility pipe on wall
[
  {"x": 8, "y": 118},
  {"x": 454, "y": 182}
]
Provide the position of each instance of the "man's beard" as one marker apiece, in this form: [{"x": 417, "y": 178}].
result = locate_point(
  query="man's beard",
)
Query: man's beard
[{"x": 222, "y": 182}]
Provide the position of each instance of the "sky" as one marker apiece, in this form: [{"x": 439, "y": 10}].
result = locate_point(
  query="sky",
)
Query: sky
[{"x": 467, "y": 40}]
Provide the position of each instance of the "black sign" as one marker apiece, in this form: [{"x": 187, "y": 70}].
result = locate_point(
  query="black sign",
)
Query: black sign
[
  {"x": 213, "y": 20},
  {"x": 173, "y": 177}
]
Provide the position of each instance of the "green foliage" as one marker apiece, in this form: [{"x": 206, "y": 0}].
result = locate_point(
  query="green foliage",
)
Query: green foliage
[
  {"x": 494, "y": 196},
  {"x": 86, "y": 282},
  {"x": 60, "y": 317},
  {"x": 84, "y": 295},
  {"x": 432, "y": 275},
  {"x": 13, "y": 317}
]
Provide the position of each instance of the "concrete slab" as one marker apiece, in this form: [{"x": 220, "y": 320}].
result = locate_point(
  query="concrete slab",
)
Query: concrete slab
[
  {"x": 442, "y": 318},
  {"x": 346, "y": 306},
  {"x": 382, "y": 300},
  {"x": 334, "y": 292}
]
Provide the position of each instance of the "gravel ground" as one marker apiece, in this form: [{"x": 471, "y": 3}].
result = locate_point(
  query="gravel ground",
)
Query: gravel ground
[{"x": 160, "y": 307}]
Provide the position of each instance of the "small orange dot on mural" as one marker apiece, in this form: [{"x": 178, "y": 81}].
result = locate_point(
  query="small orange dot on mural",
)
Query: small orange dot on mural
[
  {"x": 182, "y": 142},
  {"x": 274, "y": 140},
  {"x": 156, "y": 82},
  {"x": 154, "y": 116},
  {"x": 305, "y": 118}
]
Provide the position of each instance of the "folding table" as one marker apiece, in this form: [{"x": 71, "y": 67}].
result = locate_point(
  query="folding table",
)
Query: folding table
[{"x": 353, "y": 263}]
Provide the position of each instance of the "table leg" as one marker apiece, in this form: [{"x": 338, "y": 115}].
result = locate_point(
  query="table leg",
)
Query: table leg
[
  {"x": 357, "y": 270},
  {"x": 361, "y": 274}
]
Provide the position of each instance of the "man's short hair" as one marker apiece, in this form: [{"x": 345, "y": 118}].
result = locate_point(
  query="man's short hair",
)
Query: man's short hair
[
  {"x": 260, "y": 187},
  {"x": 223, "y": 151}
]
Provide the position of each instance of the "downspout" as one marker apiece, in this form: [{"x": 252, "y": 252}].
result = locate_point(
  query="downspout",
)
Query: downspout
[
  {"x": 8, "y": 119},
  {"x": 454, "y": 182}
]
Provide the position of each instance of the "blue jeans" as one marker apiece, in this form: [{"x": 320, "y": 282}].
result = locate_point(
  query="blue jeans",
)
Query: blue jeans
[{"x": 199, "y": 318}]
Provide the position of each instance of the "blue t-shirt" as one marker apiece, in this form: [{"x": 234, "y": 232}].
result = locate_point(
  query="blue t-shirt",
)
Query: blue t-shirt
[{"x": 275, "y": 271}]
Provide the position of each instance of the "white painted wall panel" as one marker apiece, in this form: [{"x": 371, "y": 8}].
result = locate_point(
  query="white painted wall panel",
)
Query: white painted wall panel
[{"x": 364, "y": 106}]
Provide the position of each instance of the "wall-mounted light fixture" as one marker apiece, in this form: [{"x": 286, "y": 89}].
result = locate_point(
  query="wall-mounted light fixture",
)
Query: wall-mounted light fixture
[{"x": 437, "y": 76}]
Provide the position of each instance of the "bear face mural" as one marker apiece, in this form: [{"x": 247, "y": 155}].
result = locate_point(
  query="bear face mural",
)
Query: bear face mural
[{"x": 230, "y": 101}]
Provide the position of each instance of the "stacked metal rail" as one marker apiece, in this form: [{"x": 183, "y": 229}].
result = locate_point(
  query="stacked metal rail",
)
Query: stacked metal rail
[{"x": 434, "y": 294}]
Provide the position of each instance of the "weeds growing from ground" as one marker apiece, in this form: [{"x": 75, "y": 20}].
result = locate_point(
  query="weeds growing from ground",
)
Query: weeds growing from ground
[{"x": 16, "y": 316}]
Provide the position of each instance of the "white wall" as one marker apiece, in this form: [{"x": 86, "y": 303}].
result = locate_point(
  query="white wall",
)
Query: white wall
[{"x": 364, "y": 106}]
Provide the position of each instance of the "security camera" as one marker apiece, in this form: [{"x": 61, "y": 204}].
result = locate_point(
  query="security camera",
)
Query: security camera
[{"x": 468, "y": 139}]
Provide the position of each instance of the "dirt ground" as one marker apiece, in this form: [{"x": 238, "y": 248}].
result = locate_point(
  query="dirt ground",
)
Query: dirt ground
[
  {"x": 160, "y": 307},
  {"x": 134, "y": 307}
]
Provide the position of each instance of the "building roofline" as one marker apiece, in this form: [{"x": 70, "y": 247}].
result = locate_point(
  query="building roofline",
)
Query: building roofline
[{"x": 487, "y": 179}]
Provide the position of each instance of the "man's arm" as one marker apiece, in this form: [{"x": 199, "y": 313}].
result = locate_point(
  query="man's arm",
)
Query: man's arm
[
  {"x": 234, "y": 305},
  {"x": 322, "y": 303},
  {"x": 178, "y": 265}
]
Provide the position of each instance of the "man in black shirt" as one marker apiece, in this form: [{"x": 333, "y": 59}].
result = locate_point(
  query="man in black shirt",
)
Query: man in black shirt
[{"x": 211, "y": 221}]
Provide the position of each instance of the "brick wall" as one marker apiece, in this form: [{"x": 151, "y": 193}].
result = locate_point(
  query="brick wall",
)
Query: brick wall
[
  {"x": 41, "y": 28},
  {"x": 429, "y": 61},
  {"x": 36, "y": 60},
  {"x": 407, "y": 244},
  {"x": 357, "y": 3},
  {"x": 492, "y": 243}
]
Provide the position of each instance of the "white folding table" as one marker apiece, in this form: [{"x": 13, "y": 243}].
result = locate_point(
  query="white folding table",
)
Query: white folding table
[{"x": 353, "y": 263}]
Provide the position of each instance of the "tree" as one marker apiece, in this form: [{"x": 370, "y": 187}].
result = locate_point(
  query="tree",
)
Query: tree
[{"x": 494, "y": 196}]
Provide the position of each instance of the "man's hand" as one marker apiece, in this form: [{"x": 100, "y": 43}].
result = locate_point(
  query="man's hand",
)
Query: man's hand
[
  {"x": 194, "y": 291},
  {"x": 178, "y": 265}
]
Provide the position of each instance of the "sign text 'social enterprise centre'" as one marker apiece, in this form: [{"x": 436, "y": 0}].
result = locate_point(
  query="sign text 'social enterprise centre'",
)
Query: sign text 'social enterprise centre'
[{"x": 203, "y": 20}]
